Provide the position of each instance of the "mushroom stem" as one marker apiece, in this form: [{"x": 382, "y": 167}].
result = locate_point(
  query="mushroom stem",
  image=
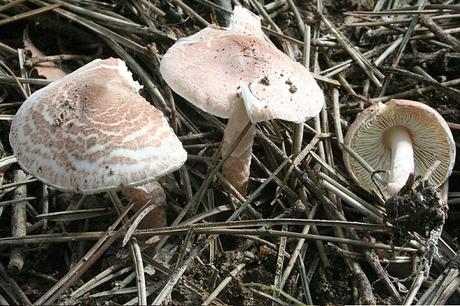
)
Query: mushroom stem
[
  {"x": 236, "y": 167},
  {"x": 402, "y": 158},
  {"x": 151, "y": 192}
]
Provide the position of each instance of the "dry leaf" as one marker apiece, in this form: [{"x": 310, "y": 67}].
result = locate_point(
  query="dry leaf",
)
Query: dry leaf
[{"x": 48, "y": 70}]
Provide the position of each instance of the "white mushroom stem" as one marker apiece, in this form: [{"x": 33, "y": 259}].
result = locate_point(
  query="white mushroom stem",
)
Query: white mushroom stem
[
  {"x": 237, "y": 166},
  {"x": 402, "y": 158}
]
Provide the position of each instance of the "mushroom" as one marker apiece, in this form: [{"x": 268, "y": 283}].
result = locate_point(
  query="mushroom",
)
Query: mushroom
[
  {"x": 235, "y": 73},
  {"x": 401, "y": 136},
  {"x": 92, "y": 132}
]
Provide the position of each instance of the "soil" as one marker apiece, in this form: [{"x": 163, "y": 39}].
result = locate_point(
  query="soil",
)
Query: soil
[{"x": 419, "y": 211}]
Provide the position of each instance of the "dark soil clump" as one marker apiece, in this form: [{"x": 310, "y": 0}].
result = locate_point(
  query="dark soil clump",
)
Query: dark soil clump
[{"x": 419, "y": 210}]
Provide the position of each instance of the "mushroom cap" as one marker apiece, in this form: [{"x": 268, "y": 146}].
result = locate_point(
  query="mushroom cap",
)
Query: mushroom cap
[
  {"x": 245, "y": 21},
  {"x": 431, "y": 140},
  {"x": 208, "y": 68},
  {"x": 91, "y": 132}
]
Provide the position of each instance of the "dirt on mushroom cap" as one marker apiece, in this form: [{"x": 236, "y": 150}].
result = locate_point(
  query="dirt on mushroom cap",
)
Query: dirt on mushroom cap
[{"x": 208, "y": 68}]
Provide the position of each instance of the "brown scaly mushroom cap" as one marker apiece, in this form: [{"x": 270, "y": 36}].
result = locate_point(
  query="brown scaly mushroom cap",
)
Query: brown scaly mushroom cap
[
  {"x": 208, "y": 68},
  {"x": 429, "y": 134},
  {"x": 91, "y": 132}
]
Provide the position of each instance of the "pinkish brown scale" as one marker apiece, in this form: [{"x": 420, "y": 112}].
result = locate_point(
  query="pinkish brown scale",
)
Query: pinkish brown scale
[
  {"x": 121, "y": 160},
  {"x": 94, "y": 157},
  {"x": 27, "y": 130}
]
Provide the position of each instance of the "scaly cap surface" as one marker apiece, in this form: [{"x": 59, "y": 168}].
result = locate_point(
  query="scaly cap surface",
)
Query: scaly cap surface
[{"x": 91, "y": 131}]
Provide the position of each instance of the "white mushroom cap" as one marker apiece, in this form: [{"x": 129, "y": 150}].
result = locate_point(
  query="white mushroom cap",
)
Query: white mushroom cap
[
  {"x": 208, "y": 68},
  {"x": 90, "y": 132},
  {"x": 245, "y": 21},
  {"x": 431, "y": 140}
]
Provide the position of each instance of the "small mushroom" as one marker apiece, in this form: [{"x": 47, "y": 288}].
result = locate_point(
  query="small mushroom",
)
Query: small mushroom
[
  {"x": 401, "y": 136},
  {"x": 91, "y": 132},
  {"x": 235, "y": 73}
]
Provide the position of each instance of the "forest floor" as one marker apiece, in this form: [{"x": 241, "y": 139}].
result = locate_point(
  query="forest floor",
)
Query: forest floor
[{"x": 306, "y": 232}]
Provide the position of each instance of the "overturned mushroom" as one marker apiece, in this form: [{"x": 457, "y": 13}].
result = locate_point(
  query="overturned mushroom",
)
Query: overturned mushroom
[
  {"x": 401, "y": 136},
  {"x": 91, "y": 132},
  {"x": 235, "y": 73}
]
